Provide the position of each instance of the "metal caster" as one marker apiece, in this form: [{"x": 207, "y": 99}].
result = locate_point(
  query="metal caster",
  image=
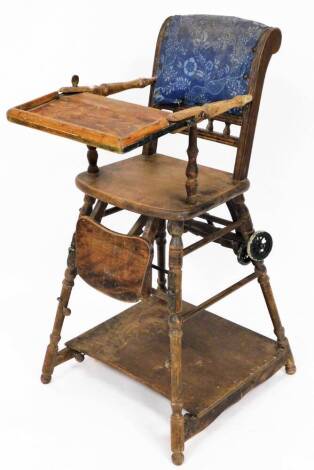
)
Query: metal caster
[
  {"x": 259, "y": 245},
  {"x": 257, "y": 248},
  {"x": 242, "y": 256}
]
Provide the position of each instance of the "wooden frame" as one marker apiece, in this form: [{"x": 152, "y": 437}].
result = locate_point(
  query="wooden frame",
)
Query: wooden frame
[{"x": 138, "y": 337}]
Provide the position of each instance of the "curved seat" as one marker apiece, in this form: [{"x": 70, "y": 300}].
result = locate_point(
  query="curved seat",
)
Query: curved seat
[{"x": 155, "y": 186}]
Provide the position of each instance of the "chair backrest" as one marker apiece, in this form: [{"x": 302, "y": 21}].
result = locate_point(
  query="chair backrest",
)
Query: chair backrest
[{"x": 205, "y": 58}]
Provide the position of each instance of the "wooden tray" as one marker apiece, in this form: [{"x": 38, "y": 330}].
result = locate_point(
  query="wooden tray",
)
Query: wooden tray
[
  {"x": 221, "y": 360},
  {"x": 94, "y": 120}
]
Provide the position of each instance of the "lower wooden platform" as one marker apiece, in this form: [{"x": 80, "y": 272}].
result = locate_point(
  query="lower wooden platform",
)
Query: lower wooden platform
[{"x": 221, "y": 360}]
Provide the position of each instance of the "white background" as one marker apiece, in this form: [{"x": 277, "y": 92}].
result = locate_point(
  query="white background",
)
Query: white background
[{"x": 91, "y": 417}]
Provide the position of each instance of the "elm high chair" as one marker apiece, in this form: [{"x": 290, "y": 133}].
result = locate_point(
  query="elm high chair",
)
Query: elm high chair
[{"x": 206, "y": 67}]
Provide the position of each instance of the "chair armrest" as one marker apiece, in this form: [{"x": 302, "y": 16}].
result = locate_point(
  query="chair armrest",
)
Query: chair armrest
[
  {"x": 106, "y": 89},
  {"x": 210, "y": 110}
]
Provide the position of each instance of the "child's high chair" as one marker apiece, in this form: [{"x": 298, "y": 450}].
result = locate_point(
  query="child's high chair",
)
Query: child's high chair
[{"x": 206, "y": 67}]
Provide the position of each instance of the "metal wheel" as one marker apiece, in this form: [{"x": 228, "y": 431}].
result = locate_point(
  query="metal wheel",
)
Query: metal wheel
[{"x": 259, "y": 245}]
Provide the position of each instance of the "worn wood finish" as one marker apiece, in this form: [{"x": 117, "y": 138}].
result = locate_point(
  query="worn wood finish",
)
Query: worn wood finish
[
  {"x": 279, "y": 330},
  {"x": 229, "y": 240},
  {"x": 210, "y": 110},
  {"x": 66, "y": 354},
  {"x": 238, "y": 209},
  {"x": 115, "y": 264},
  {"x": 161, "y": 255},
  {"x": 215, "y": 137},
  {"x": 99, "y": 211},
  {"x": 160, "y": 187},
  {"x": 208, "y": 363},
  {"x": 137, "y": 228},
  {"x": 214, "y": 235},
  {"x": 221, "y": 295},
  {"x": 106, "y": 89},
  {"x": 194, "y": 424},
  {"x": 63, "y": 300},
  {"x": 175, "y": 229},
  {"x": 112, "y": 210},
  {"x": 92, "y": 156},
  {"x": 215, "y": 351},
  {"x": 95, "y": 120},
  {"x": 150, "y": 230},
  {"x": 191, "y": 171},
  {"x": 268, "y": 44}
]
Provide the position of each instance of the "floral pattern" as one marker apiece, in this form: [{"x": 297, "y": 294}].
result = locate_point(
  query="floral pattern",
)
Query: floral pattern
[{"x": 205, "y": 58}]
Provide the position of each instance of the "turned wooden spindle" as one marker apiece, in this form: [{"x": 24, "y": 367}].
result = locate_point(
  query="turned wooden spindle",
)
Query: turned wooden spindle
[
  {"x": 175, "y": 334},
  {"x": 226, "y": 130},
  {"x": 92, "y": 156},
  {"x": 191, "y": 169},
  {"x": 210, "y": 125},
  {"x": 106, "y": 89},
  {"x": 209, "y": 110},
  {"x": 161, "y": 254},
  {"x": 279, "y": 330}
]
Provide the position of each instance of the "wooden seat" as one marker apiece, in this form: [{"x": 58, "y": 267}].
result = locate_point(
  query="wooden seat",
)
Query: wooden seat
[{"x": 155, "y": 186}]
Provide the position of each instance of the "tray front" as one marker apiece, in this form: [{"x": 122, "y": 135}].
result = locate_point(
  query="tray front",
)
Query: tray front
[{"x": 92, "y": 119}]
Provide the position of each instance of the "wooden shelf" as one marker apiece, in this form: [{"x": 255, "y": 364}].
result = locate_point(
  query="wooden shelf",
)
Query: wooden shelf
[{"x": 221, "y": 360}]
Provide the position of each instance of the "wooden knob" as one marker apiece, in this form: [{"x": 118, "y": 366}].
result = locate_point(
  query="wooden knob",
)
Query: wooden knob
[
  {"x": 66, "y": 311},
  {"x": 75, "y": 80}
]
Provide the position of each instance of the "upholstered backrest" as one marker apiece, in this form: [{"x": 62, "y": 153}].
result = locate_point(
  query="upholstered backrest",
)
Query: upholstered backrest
[{"x": 204, "y": 58}]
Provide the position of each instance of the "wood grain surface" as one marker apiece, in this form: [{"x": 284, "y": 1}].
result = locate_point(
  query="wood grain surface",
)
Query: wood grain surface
[
  {"x": 219, "y": 357},
  {"x": 156, "y": 186},
  {"x": 117, "y": 265},
  {"x": 92, "y": 119}
]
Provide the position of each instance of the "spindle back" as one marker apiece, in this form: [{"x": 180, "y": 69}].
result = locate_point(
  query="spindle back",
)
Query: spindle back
[{"x": 205, "y": 58}]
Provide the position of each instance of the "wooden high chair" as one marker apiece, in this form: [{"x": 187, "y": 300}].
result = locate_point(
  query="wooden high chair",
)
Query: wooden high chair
[{"x": 206, "y": 67}]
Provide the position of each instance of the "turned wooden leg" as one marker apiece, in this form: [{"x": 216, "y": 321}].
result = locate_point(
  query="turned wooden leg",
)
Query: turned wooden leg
[
  {"x": 161, "y": 254},
  {"x": 237, "y": 209},
  {"x": 279, "y": 330},
  {"x": 63, "y": 310},
  {"x": 175, "y": 333},
  {"x": 191, "y": 172}
]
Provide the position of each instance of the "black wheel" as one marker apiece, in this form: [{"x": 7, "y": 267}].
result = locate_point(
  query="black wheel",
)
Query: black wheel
[
  {"x": 242, "y": 255},
  {"x": 259, "y": 245}
]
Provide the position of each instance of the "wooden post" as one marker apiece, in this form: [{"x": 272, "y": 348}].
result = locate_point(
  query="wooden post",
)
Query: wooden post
[
  {"x": 279, "y": 330},
  {"x": 92, "y": 156},
  {"x": 191, "y": 169},
  {"x": 63, "y": 310},
  {"x": 175, "y": 333},
  {"x": 161, "y": 254}
]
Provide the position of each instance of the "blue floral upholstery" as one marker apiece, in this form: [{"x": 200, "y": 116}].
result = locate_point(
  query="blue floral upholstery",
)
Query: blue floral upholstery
[{"x": 205, "y": 58}]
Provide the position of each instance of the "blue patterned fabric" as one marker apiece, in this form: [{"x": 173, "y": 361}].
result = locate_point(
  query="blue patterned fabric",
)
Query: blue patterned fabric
[{"x": 205, "y": 58}]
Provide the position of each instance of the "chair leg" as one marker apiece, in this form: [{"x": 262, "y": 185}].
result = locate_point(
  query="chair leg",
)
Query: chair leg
[
  {"x": 175, "y": 333},
  {"x": 237, "y": 209},
  {"x": 63, "y": 310},
  {"x": 161, "y": 254},
  {"x": 279, "y": 330}
]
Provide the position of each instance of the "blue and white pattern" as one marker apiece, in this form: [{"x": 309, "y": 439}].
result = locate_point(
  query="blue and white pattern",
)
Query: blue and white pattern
[{"x": 205, "y": 58}]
